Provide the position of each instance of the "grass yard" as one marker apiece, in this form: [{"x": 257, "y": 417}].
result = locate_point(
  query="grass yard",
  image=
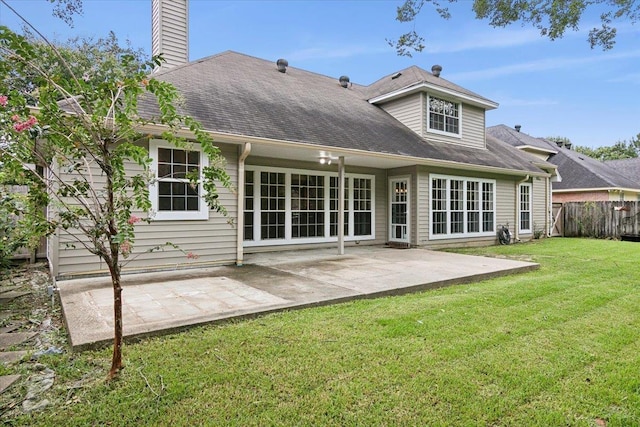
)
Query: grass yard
[{"x": 558, "y": 346}]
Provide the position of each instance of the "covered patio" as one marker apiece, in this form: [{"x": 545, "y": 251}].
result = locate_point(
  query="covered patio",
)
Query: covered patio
[{"x": 169, "y": 301}]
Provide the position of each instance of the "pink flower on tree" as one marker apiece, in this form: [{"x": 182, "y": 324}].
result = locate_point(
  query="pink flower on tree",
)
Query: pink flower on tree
[
  {"x": 3, "y": 100},
  {"x": 133, "y": 220},
  {"x": 27, "y": 124},
  {"x": 125, "y": 248}
]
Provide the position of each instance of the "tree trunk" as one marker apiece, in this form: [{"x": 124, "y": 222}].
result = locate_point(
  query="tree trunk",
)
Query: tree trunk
[{"x": 116, "y": 361}]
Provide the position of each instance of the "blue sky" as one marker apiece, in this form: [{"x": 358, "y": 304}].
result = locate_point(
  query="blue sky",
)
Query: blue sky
[{"x": 550, "y": 88}]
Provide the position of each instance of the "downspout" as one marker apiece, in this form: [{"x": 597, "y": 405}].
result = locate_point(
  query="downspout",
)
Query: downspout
[
  {"x": 516, "y": 227},
  {"x": 246, "y": 150}
]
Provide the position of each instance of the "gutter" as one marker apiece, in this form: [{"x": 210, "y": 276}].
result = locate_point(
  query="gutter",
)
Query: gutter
[
  {"x": 410, "y": 160},
  {"x": 246, "y": 150}
]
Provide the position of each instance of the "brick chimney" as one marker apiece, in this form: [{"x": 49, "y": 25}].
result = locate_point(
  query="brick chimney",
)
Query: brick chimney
[{"x": 170, "y": 31}]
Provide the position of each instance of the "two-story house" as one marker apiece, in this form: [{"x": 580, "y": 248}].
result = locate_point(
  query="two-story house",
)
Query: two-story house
[{"x": 409, "y": 154}]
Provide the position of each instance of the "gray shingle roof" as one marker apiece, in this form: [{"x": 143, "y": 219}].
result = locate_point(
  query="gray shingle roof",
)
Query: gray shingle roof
[
  {"x": 243, "y": 95},
  {"x": 412, "y": 76},
  {"x": 519, "y": 139},
  {"x": 578, "y": 171},
  {"x": 627, "y": 167},
  {"x": 581, "y": 171}
]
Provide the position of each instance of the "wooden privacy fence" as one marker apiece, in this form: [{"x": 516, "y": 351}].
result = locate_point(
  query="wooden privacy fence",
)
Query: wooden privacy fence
[{"x": 601, "y": 219}]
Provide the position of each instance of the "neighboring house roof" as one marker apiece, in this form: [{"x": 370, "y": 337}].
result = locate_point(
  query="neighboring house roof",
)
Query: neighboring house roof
[
  {"x": 578, "y": 171},
  {"x": 627, "y": 167},
  {"x": 238, "y": 94},
  {"x": 521, "y": 140}
]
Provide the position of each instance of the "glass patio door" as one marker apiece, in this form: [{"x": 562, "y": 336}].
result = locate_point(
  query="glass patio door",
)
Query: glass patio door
[{"x": 399, "y": 210}]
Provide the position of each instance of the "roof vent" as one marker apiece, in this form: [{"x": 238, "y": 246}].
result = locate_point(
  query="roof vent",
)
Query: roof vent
[
  {"x": 567, "y": 145},
  {"x": 396, "y": 75},
  {"x": 282, "y": 65},
  {"x": 559, "y": 143},
  {"x": 518, "y": 127},
  {"x": 344, "y": 81},
  {"x": 436, "y": 69}
]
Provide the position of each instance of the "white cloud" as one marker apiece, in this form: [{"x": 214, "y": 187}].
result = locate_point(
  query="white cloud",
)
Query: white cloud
[
  {"x": 328, "y": 52},
  {"x": 633, "y": 78},
  {"x": 518, "y": 102},
  {"x": 487, "y": 39}
]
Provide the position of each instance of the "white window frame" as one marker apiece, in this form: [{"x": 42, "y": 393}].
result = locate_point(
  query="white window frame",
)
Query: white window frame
[
  {"x": 288, "y": 239},
  {"x": 202, "y": 213},
  {"x": 465, "y": 233},
  {"x": 443, "y": 132},
  {"x": 525, "y": 207}
]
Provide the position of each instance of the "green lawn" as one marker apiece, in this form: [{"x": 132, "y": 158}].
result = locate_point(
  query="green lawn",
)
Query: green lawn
[{"x": 558, "y": 346}]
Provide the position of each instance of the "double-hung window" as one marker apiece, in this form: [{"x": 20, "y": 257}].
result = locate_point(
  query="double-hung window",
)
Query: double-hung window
[
  {"x": 525, "y": 207},
  {"x": 173, "y": 196},
  {"x": 444, "y": 116},
  {"x": 461, "y": 207}
]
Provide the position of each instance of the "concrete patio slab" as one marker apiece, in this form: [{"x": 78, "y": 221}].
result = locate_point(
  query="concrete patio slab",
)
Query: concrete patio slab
[
  {"x": 7, "y": 357},
  {"x": 167, "y": 301},
  {"x": 7, "y": 381},
  {"x": 14, "y": 338}
]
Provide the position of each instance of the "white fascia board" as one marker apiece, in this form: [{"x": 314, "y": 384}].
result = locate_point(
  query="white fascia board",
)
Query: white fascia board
[
  {"x": 609, "y": 189},
  {"x": 539, "y": 149},
  {"x": 437, "y": 90}
]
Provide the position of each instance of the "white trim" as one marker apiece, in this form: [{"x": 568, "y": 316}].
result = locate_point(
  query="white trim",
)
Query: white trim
[
  {"x": 520, "y": 210},
  {"x": 464, "y": 234},
  {"x": 202, "y": 213},
  {"x": 407, "y": 180},
  {"x": 586, "y": 190},
  {"x": 289, "y": 240},
  {"x": 423, "y": 86}
]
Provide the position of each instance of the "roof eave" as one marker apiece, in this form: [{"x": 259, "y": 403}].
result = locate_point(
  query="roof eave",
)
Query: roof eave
[
  {"x": 424, "y": 86},
  {"x": 538, "y": 149},
  {"x": 240, "y": 139}
]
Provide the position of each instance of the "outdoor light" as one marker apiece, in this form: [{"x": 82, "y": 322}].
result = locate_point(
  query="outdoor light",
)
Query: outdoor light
[{"x": 326, "y": 158}]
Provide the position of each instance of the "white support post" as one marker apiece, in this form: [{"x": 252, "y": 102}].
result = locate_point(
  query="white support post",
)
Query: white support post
[{"x": 341, "y": 206}]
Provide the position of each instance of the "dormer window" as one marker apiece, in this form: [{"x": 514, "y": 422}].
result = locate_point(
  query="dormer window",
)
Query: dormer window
[{"x": 444, "y": 116}]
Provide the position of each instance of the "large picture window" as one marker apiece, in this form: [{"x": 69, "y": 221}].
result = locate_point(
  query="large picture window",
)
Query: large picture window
[
  {"x": 461, "y": 207},
  {"x": 444, "y": 116},
  {"x": 299, "y": 206},
  {"x": 173, "y": 196},
  {"x": 525, "y": 207},
  {"x": 333, "y": 195}
]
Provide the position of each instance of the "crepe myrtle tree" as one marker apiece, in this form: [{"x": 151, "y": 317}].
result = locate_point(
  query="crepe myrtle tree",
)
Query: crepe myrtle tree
[{"x": 86, "y": 128}]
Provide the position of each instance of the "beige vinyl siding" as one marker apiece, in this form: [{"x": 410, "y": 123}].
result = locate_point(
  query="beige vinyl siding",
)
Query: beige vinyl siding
[
  {"x": 213, "y": 240},
  {"x": 412, "y": 112},
  {"x": 472, "y": 123},
  {"x": 539, "y": 205},
  {"x": 506, "y": 193},
  {"x": 423, "y": 204},
  {"x": 408, "y": 111},
  {"x": 169, "y": 33}
]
